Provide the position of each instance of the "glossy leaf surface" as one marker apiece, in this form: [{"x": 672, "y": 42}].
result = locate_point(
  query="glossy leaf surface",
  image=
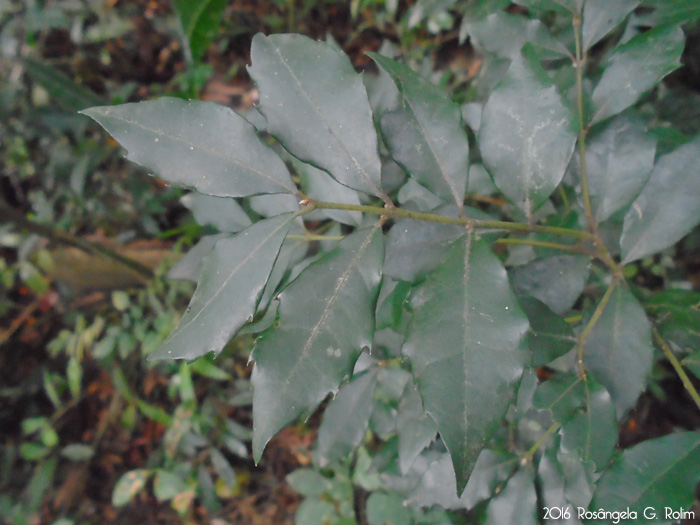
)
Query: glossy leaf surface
[
  {"x": 618, "y": 349},
  {"x": 657, "y": 473},
  {"x": 325, "y": 319},
  {"x": 526, "y": 136},
  {"x": 425, "y": 134},
  {"x": 317, "y": 106},
  {"x": 345, "y": 419},
  {"x": 232, "y": 278},
  {"x": 667, "y": 208},
  {"x": 635, "y": 67},
  {"x": 198, "y": 145},
  {"x": 464, "y": 346}
]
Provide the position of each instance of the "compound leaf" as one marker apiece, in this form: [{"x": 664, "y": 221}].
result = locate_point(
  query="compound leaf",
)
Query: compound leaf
[
  {"x": 635, "y": 67},
  {"x": 324, "y": 320},
  {"x": 526, "y": 136},
  {"x": 425, "y": 133},
  {"x": 198, "y": 145},
  {"x": 618, "y": 349},
  {"x": 658, "y": 474},
  {"x": 232, "y": 279},
  {"x": 667, "y": 208},
  {"x": 317, "y": 106},
  {"x": 464, "y": 346}
]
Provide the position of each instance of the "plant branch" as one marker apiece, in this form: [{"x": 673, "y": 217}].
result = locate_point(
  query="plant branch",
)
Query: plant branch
[
  {"x": 677, "y": 366},
  {"x": 592, "y": 322},
  {"x": 545, "y": 244},
  {"x": 527, "y": 457}
]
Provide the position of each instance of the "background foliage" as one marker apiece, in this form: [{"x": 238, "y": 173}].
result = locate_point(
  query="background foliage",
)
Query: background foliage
[{"x": 552, "y": 343}]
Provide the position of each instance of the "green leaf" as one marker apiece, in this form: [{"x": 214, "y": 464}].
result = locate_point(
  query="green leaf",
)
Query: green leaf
[
  {"x": 635, "y": 67},
  {"x": 319, "y": 186},
  {"x": 223, "y": 468},
  {"x": 224, "y": 213},
  {"x": 549, "y": 336},
  {"x": 658, "y": 473},
  {"x": 198, "y": 145},
  {"x": 464, "y": 347},
  {"x": 387, "y": 509},
  {"x": 68, "y": 94},
  {"x": 415, "y": 429},
  {"x": 674, "y": 12},
  {"x": 618, "y": 349},
  {"x": 516, "y": 503},
  {"x": 667, "y": 208},
  {"x": 557, "y": 281},
  {"x": 677, "y": 316},
  {"x": 565, "y": 7},
  {"x": 600, "y": 17},
  {"x": 167, "y": 485},
  {"x": 346, "y": 418},
  {"x": 187, "y": 268},
  {"x": 77, "y": 452},
  {"x": 561, "y": 394},
  {"x": 492, "y": 469},
  {"x": 425, "y": 134},
  {"x": 313, "y": 511},
  {"x": 592, "y": 432},
  {"x": 130, "y": 484},
  {"x": 308, "y": 482},
  {"x": 325, "y": 319},
  {"x": 311, "y": 86},
  {"x": 619, "y": 160},
  {"x": 200, "y": 22},
  {"x": 232, "y": 279},
  {"x": 527, "y": 134},
  {"x": 487, "y": 34}
]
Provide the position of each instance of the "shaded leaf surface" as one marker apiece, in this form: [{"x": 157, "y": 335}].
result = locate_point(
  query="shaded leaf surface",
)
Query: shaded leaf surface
[
  {"x": 414, "y": 428},
  {"x": 224, "y": 213},
  {"x": 635, "y": 67},
  {"x": 318, "y": 185},
  {"x": 311, "y": 86},
  {"x": 200, "y": 22},
  {"x": 618, "y": 349},
  {"x": 425, "y": 134},
  {"x": 619, "y": 161},
  {"x": 325, "y": 319},
  {"x": 656, "y": 473},
  {"x": 549, "y": 336},
  {"x": 517, "y": 503},
  {"x": 526, "y": 136},
  {"x": 667, "y": 208},
  {"x": 600, "y": 17},
  {"x": 345, "y": 419},
  {"x": 198, "y": 145},
  {"x": 464, "y": 346},
  {"x": 232, "y": 279}
]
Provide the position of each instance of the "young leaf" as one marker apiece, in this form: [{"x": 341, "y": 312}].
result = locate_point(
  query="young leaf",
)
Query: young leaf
[
  {"x": 618, "y": 349},
  {"x": 602, "y": 16},
  {"x": 200, "y": 22},
  {"x": 619, "y": 161},
  {"x": 635, "y": 67},
  {"x": 325, "y": 319},
  {"x": 425, "y": 133},
  {"x": 464, "y": 347},
  {"x": 346, "y": 418},
  {"x": 658, "y": 473},
  {"x": 190, "y": 144},
  {"x": 527, "y": 134},
  {"x": 317, "y": 106},
  {"x": 667, "y": 208},
  {"x": 231, "y": 281}
]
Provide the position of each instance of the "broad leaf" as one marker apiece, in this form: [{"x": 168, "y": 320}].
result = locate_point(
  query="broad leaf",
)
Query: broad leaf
[
  {"x": 231, "y": 281},
  {"x": 487, "y": 34},
  {"x": 414, "y": 428},
  {"x": 325, "y": 319},
  {"x": 224, "y": 213},
  {"x": 387, "y": 509},
  {"x": 667, "y": 208},
  {"x": 619, "y": 161},
  {"x": 592, "y": 431},
  {"x": 464, "y": 347},
  {"x": 318, "y": 185},
  {"x": 565, "y": 7},
  {"x": 68, "y": 94},
  {"x": 425, "y": 133},
  {"x": 618, "y": 349},
  {"x": 658, "y": 473},
  {"x": 677, "y": 316},
  {"x": 516, "y": 503},
  {"x": 635, "y": 67},
  {"x": 345, "y": 419},
  {"x": 200, "y": 22},
  {"x": 317, "y": 106},
  {"x": 549, "y": 336},
  {"x": 561, "y": 394},
  {"x": 198, "y": 145},
  {"x": 557, "y": 281},
  {"x": 551, "y": 488},
  {"x": 670, "y": 12},
  {"x": 527, "y": 134},
  {"x": 187, "y": 268},
  {"x": 602, "y": 16}
]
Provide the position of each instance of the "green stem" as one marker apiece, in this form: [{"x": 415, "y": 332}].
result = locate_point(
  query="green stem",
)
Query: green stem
[
  {"x": 677, "y": 366},
  {"x": 592, "y": 322},
  {"x": 543, "y": 244},
  {"x": 400, "y": 213},
  {"x": 314, "y": 237},
  {"x": 527, "y": 457}
]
